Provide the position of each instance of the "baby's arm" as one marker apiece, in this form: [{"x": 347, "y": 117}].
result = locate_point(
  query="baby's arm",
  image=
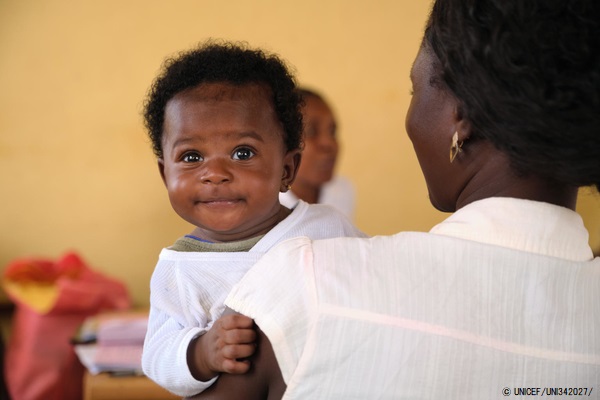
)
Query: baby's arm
[
  {"x": 164, "y": 358},
  {"x": 223, "y": 348},
  {"x": 263, "y": 380},
  {"x": 174, "y": 322}
]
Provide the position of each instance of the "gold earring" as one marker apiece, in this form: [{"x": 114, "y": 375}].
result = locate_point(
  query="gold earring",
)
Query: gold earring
[
  {"x": 289, "y": 187},
  {"x": 456, "y": 147}
]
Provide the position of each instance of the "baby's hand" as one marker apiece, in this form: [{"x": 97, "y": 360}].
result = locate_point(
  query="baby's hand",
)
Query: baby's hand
[{"x": 224, "y": 347}]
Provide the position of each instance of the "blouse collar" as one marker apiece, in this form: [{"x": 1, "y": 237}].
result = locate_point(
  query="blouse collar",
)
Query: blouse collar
[{"x": 526, "y": 225}]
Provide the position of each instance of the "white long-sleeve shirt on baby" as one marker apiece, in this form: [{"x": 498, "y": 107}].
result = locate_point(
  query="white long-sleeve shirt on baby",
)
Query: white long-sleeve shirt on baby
[{"x": 188, "y": 290}]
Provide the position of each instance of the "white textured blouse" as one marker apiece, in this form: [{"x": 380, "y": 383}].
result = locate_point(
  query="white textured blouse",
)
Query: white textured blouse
[{"x": 503, "y": 295}]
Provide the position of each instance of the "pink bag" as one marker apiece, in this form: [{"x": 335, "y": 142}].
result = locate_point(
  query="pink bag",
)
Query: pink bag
[{"x": 52, "y": 299}]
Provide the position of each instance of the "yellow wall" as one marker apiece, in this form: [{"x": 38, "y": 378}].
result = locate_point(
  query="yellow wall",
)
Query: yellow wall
[{"x": 76, "y": 170}]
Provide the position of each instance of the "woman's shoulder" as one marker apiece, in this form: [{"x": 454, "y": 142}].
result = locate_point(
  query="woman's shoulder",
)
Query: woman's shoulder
[{"x": 328, "y": 218}]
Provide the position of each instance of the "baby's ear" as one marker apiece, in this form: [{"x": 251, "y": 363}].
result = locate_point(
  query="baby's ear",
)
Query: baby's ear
[
  {"x": 291, "y": 162},
  {"x": 161, "y": 169}
]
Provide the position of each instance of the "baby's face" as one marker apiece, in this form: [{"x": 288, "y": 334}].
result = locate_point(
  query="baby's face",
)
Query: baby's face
[{"x": 224, "y": 160}]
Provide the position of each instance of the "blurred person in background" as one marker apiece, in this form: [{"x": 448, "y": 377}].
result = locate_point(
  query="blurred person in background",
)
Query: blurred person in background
[{"x": 316, "y": 181}]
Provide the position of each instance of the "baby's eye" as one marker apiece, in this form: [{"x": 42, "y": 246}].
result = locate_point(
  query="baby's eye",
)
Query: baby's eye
[
  {"x": 192, "y": 158},
  {"x": 243, "y": 153}
]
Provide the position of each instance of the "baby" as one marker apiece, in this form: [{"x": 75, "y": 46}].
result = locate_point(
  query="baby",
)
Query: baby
[{"x": 225, "y": 125}]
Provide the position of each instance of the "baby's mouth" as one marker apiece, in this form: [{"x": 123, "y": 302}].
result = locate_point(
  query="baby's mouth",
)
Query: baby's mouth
[{"x": 219, "y": 202}]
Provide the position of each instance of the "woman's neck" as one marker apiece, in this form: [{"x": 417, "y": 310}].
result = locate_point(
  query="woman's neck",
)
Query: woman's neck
[
  {"x": 527, "y": 188},
  {"x": 489, "y": 174}
]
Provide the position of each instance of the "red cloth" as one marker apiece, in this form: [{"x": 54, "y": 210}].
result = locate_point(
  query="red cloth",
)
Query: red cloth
[{"x": 40, "y": 361}]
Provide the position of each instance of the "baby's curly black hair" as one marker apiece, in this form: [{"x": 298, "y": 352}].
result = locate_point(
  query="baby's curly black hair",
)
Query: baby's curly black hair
[
  {"x": 527, "y": 77},
  {"x": 234, "y": 63}
]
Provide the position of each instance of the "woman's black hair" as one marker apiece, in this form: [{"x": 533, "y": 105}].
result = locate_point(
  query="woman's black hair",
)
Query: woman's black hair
[
  {"x": 526, "y": 75},
  {"x": 224, "y": 62}
]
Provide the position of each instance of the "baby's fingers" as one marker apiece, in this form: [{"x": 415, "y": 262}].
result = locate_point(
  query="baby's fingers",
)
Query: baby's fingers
[
  {"x": 239, "y": 336},
  {"x": 236, "y": 366},
  {"x": 235, "y": 321},
  {"x": 233, "y": 352}
]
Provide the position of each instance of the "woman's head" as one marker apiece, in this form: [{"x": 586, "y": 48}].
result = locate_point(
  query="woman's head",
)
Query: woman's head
[
  {"x": 229, "y": 63},
  {"x": 525, "y": 76}
]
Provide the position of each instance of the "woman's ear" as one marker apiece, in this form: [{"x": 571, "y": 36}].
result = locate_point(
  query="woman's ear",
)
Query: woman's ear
[
  {"x": 291, "y": 162},
  {"x": 462, "y": 132},
  {"x": 463, "y": 127}
]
